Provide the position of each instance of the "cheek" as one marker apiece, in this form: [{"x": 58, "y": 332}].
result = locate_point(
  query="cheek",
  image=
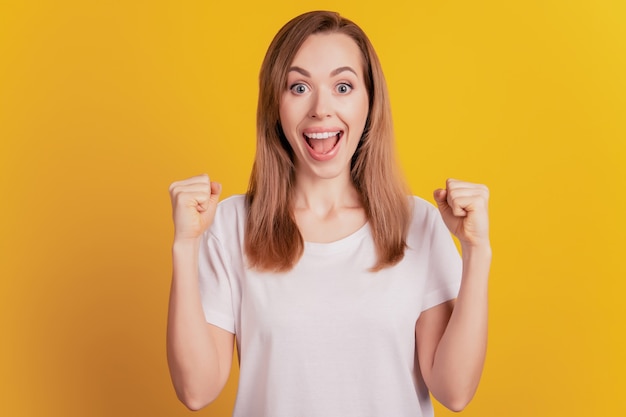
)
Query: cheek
[
  {"x": 288, "y": 114},
  {"x": 360, "y": 111},
  {"x": 288, "y": 124},
  {"x": 361, "y": 103}
]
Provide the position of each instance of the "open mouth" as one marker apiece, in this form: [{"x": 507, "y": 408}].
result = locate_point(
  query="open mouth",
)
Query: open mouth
[{"x": 323, "y": 142}]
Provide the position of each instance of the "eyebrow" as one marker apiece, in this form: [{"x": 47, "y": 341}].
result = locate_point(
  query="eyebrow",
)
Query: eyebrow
[{"x": 334, "y": 72}]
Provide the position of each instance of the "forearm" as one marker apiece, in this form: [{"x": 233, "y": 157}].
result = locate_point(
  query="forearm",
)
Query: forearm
[
  {"x": 460, "y": 354},
  {"x": 192, "y": 351}
]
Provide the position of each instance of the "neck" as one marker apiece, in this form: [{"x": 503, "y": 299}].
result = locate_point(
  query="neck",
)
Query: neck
[{"x": 325, "y": 195}]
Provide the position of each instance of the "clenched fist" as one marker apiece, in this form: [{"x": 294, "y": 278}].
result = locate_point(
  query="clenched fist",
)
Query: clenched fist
[
  {"x": 463, "y": 206},
  {"x": 194, "y": 201}
]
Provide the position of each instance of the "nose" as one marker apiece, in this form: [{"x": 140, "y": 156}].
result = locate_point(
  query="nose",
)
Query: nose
[{"x": 321, "y": 105}]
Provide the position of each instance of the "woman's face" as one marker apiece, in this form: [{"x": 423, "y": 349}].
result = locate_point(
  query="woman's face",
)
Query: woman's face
[{"x": 324, "y": 106}]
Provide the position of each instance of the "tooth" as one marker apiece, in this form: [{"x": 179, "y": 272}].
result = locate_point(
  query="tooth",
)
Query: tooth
[{"x": 321, "y": 135}]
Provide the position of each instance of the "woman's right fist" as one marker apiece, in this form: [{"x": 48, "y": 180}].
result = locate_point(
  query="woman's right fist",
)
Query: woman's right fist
[{"x": 194, "y": 201}]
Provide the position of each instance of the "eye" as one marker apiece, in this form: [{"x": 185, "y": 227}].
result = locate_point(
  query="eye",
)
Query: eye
[
  {"x": 299, "y": 88},
  {"x": 343, "y": 88}
]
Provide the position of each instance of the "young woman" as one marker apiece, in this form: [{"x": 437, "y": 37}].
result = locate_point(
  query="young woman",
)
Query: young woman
[{"x": 345, "y": 296}]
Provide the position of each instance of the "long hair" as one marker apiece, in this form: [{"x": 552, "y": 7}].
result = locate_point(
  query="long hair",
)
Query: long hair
[{"x": 273, "y": 241}]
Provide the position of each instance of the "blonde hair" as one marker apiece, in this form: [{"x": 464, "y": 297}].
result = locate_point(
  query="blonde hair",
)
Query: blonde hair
[{"x": 273, "y": 241}]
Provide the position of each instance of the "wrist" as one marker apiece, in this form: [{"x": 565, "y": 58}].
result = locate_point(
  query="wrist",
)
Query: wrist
[
  {"x": 184, "y": 244},
  {"x": 480, "y": 249}
]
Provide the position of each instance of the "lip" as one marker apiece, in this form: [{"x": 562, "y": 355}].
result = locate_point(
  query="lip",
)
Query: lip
[{"x": 322, "y": 157}]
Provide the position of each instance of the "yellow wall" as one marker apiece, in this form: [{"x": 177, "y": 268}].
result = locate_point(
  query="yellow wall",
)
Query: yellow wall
[{"x": 103, "y": 104}]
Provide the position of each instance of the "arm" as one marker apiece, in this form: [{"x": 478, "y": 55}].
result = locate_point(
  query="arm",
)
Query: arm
[
  {"x": 452, "y": 337},
  {"x": 199, "y": 354}
]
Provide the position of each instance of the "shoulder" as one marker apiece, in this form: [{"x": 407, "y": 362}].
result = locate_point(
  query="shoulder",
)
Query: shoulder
[
  {"x": 426, "y": 222},
  {"x": 423, "y": 212},
  {"x": 230, "y": 213},
  {"x": 234, "y": 202}
]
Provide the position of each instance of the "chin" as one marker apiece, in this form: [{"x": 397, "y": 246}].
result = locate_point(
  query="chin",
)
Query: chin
[{"x": 330, "y": 172}]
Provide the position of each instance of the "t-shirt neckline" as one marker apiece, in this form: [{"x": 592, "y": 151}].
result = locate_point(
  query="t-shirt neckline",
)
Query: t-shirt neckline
[{"x": 338, "y": 245}]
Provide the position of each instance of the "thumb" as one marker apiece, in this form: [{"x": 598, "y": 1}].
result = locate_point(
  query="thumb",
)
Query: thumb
[
  {"x": 441, "y": 196},
  {"x": 216, "y": 190},
  {"x": 209, "y": 205}
]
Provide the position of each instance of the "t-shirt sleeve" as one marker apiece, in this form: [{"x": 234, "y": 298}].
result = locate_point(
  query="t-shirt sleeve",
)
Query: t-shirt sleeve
[
  {"x": 215, "y": 277},
  {"x": 444, "y": 265}
]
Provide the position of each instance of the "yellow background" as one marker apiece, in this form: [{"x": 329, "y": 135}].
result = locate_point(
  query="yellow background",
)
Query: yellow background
[{"x": 104, "y": 103}]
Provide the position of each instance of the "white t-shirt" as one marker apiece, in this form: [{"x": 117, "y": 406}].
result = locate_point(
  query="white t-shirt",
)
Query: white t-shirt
[{"x": 328, "y": 338}]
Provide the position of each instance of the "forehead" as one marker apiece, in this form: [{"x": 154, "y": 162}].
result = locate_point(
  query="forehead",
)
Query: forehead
[{"x": 331, "y": 50}]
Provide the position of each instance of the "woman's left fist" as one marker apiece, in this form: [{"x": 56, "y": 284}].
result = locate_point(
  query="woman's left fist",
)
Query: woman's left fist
[{"x": 464, "y": 209}]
